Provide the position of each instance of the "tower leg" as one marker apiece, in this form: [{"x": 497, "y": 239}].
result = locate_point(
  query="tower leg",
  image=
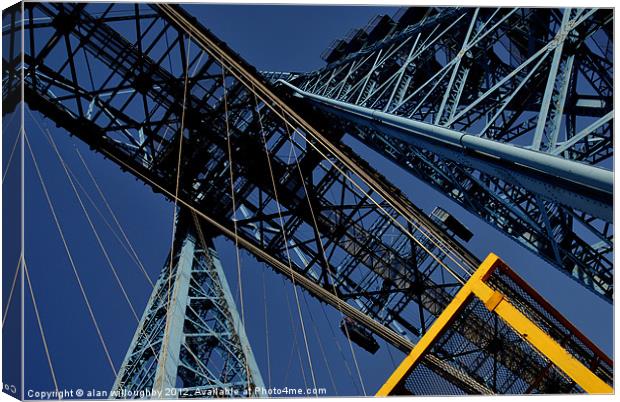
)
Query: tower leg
[{"x": 190, "y": 341}]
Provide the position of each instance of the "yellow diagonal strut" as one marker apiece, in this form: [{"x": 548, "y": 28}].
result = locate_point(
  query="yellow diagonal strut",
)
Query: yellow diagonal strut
[{"x": 498, "y": 303}]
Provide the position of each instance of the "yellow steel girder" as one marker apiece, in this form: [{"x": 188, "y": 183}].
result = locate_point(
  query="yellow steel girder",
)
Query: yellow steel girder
[{"x": 499, "y": 304}]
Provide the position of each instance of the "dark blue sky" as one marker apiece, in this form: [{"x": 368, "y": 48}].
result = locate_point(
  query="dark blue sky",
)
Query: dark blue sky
[{"x": 271, "y": 38}]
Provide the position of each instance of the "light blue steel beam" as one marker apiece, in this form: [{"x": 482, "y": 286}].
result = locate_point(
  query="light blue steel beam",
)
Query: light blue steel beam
[{"x": 544, "y": 169}]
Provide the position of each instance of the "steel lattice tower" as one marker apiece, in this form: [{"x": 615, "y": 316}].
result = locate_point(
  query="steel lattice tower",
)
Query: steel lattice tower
[
  {"x": 190, "y": 338},
  {"x": 302, "y": 201}
]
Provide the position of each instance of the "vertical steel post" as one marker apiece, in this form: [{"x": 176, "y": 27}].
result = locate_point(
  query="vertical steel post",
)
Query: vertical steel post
[{"x": 169, "y": 358}]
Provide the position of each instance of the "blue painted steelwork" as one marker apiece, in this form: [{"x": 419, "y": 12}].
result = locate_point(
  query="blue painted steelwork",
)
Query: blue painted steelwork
[
  {"x": 190, "y": 341},
  {"x": 312, "y": 209},
  {"x": 530, "y": 80},
  {"x": 345, "y": 234},
  {"x": 590, "y": 187}
]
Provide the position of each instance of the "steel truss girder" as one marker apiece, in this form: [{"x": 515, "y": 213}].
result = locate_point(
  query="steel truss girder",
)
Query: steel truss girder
[
  {"x": 357, "y": 247},
  {"x": 590, "y": 188},
  {"x": 162, "y": 165},
  {"x": 485, "y": 72}
]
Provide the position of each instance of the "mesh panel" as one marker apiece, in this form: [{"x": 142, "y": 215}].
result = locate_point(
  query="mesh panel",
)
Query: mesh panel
[
  {"x": 551, "y": 323},
  {"x": 479, "y": 344},
  {"x": 424, "y": 381},
  {"x": 477, "y": 352}
]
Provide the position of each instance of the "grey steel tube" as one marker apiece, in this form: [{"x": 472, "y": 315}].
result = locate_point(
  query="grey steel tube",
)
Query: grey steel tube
[{"x": 591, "y": 188}]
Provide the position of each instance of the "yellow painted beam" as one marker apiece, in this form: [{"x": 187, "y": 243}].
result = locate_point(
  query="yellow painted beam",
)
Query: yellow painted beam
[
  {"x": 444, "y": 319},
  {"x": 434, "y": 332},
  {"x": 497, "y": 303},
  {"x": 485, "y": 269},
  {"x": 542, "y": 342}
]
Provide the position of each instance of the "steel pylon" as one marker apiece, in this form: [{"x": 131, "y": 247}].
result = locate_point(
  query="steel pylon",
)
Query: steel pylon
[{"x": 190, "y": 341}]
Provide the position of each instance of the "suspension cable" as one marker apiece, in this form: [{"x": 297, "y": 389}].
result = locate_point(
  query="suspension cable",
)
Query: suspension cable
[
  {"x": 248, "y": 80},
  {"x": 322, "y": 252},
  {"x": 339, "y": 347},
  {"x": 69, "y": 175},
  {"x": 41, "y": 331},
  {"x": 111, "y": 211},
  {"x": 92, "y": 226},
  {"x": 73, "y": 266},
  {"x": 104, "y": 218},
  {"x": 8, "y": 164},
  {"x": 266, "y": 321},
  {"x": 285, "y": 239},
  {"x": 295, "y": 341},
  {"x": 234, "y": 212},
  {"x": 164, "y": 347},
  {"x": 321, "y": 348},
  {"x": 15, "y": 275}
]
